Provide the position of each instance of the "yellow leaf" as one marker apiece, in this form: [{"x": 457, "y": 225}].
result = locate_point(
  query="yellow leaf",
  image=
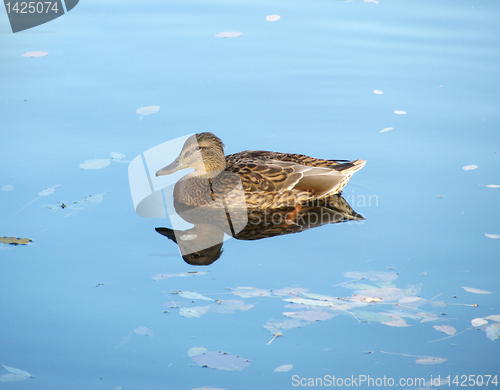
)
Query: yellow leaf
[{"x": 15, "y": 241}]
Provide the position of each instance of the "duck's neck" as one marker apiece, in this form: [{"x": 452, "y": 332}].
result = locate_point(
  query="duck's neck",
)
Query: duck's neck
[{"x": 211, "y": 167}]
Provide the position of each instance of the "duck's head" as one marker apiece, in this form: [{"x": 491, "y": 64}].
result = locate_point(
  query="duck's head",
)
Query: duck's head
[{"x": 204, "y": 152}]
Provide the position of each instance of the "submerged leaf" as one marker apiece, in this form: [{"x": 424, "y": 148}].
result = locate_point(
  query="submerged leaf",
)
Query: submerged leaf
[
  {"x": 493, "y": 331},
  {"x": 478, "y": 322},
  {"x": 7, "y": 187},
  {"x": 143, "y": 331},
  {"x": 283, "y": 368},
  {"x": 147, "y": 110},
  {"x": 192, "y": 312},
  {"x": 247, "y": 292},
  {"x": 33, "y": 54},
  {"x": 377, "y": 92},
  {"x": 95, "y": 163},
  {"x": 430, "y": 360},
  {"x": 273, "y": 18},
  {"x": 192, "y": 295},
  {"x": 221, "y": 361},
  {"x": 196, "y": 351},
  {"x": 476, "y": 290},
  {"x": 399, "y": 112},
  {"x": 17, "y": 371},
  {"x": 386, "y": 129},
  {"x": 492, "y": 235},
  {"x": 310, "y": 315},
  {"x": 159, "y": 277},
  {"x": 469, "y": 167},
  {"x": 492, "y": 186},
  {"x": 494, "y": 317},
  {"x": 228, "y": 34},
  {"x": 446, "y": 329}
]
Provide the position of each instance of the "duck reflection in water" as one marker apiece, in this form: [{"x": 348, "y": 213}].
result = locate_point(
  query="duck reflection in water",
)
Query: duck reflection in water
[{"x": 252, "y": 195}]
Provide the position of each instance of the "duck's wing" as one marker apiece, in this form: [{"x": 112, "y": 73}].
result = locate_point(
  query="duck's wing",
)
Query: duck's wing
[
  {"x": 301, "y": 159},
  {"x": 273, "y": 176}
]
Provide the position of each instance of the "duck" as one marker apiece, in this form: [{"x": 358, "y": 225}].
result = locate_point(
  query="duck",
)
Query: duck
[{"x": 253, "y": 179}]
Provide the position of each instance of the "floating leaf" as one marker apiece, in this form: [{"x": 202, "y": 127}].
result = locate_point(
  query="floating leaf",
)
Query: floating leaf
[
  {"x": 207, "y": 388},
  {"x": 178, "y": 275},
  {"x": 196, "y": 351},
  {"x": 492, "y": 235},
  {"x": 147, "y": 110},
  {"x": 7, "y": 188},
  {"x": 117, "y": 157},
  {"x": 310, "y": 315},
  {"x": 386, "y": 129},
  {"x": 192, "y": 312},
  {"x": 372, "y": 299},
  {"x": 492, "y": 186},
  {"x": 95, "y": 163},
  {"x": 48, "y": 191},
  {"x": 396, "y": 321},
  {"x": 228, "y": 34},
  {"x": 399, "y": 112},
  {"x": 229, "y": 306},
  {"x": 320, "y": 297},
  {"x": 374, "y": 276},
  {"x": 33, "y": 54},
  {"x": 478, "y": 322},
  {"x": 476, "y": 290},
  {"x": 192, "y": 295},
  {"x": 493, "y": 331},
  {"x": 428, "y": 360},
  {"x": 283, "y": 368},
  {"x": 44, "y": 192},
  {"x": 275, "y": 326},
  {"x": 273, "y": 18},
  {"x": 77, "y": 205},
  {"x": 408, "y": 299},
  {"x": 15, "y": 240},
  {"x": 469, "y": 167},
  {"x": 15, "y": 374},
  {"x": 377, "y": 92},
  {"x": 446, "y": 329},
  {"x": 289, "y": 291},
  {"x": 247, "y": 292},
  {"x": 143, "y": 331},
  {"x": 221, "y": 361},
  {"x": 388, "y": 294},
  {"x": 309, "y": 302}
]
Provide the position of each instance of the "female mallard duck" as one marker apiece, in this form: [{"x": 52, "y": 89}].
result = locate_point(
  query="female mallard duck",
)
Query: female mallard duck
[{"x": 253, "y": 179}]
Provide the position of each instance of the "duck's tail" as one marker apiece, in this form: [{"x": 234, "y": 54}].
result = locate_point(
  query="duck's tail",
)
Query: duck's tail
[{"x": 348, "y": 170}]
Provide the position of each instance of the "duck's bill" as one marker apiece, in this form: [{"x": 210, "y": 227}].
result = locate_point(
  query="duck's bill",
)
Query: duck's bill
[{"x": 177, "y": 165}]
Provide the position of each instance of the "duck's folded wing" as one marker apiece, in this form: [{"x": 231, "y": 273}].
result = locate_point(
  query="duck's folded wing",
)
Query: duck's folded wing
[{"x": 278, "y": 176}]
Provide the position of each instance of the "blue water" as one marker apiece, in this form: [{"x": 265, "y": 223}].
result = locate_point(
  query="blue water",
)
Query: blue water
[{"x": 78, "y": 299}]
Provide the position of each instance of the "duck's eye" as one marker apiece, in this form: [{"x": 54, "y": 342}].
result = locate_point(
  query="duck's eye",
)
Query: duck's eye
[{"x": 196, "y": 148}]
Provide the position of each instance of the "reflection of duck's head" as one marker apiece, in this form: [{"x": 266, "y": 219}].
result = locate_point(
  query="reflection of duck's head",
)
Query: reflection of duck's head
[
  {"x": 201, "y": 245},
  {"x": 204, "y": 152}
]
